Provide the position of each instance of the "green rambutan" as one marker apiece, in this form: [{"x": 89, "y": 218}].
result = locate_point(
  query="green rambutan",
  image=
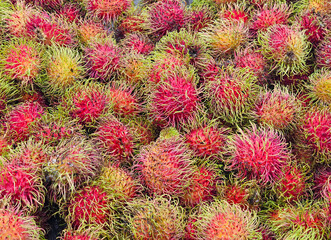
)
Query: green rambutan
[
  {"x": 320, "y": 87},
  {"x": 258, "y": 153},
  {"x": 221, "y": 220},
  {"x": 165, "y": 166},
  {"x": 286, "y": 48},
  {"x": 133, "y": 69},
  {"x": 155, "y": 219}
]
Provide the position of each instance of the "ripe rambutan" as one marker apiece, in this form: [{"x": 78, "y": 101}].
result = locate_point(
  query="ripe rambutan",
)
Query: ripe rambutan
[
  {"x": 165, "y": 16},
  {"x": 155, "y": 219},
  {"x": 287, "y": 49},
  {"x": 320, "y": 87},
  {"x": 22, "y": 186},
  {"x": 123, "y": 100},
  {"x": 258, "y": 153},
  {"x": 210, "y": 71},
  {"x": 221, "y": 220},
  {"x": 323, "y": 54},
  {"x": 133, "y": 23},
  {"x": 137, "y": 43},
  {"x": 72, "y": 162},
  {"x": 64, "y": 67},
  {"x": 34, "y": 95},
  {"x": 89, "y": 208},
  {"x": 107, "y": 10},
  {"x": 321, "y": 179},
  {"x": 199, "y": 17},
  {"x": 21, "y": 61},
  {"x": 103, "y": 58},
  {"x": 115, "y": 140},
  {"x": 70, "y": 12},
  {"x": 8, "y": 92},
  {"x": 19, "y": 120},
  {"x": 224, "y": 36},
  {"x": 87, "y": 102},
  {"x": 4, "y": 146},
  {"x": 231, "y": 94},
  {"x": 165, "y": 166},
  {"x": 143, "y": 131},
  {"x": 254, "y": 61},
  {"x": 78, "y": 235},
  {"x": 174, "y": 99},
  {"x": 14, "y": 225},
  {"x": 277, "y": 108},
  {"x": 133, "y": 69},
  {"x": 315, "y": 128},
  {"x": 89, "y": 29},
  {"x": 202, "y": 187},
  {"x": 119, "y": 185},
  {"x": 235, "y": 12},
  {"x": 270, "y": 15}
]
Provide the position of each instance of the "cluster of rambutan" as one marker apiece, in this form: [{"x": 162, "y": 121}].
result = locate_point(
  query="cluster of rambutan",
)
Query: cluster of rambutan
[{"x": 165, "y": 119}]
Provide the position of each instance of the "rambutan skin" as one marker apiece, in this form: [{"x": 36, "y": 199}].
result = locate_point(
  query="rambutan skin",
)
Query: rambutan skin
[
  {"x": 320, "y": 87},
  {"x": 313, "y": 26},
  {"x": 323, "y": 53},
  {"x": 258, "y": 153}
]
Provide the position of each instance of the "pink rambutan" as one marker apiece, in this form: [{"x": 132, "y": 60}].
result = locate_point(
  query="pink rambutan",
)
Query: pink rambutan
[
  {"x": 89, "y": 29},
  {"x": 210, "y": 71},
  {"x": 199, "y": 17},
  {"x": 236, "y": 12},
  {"x": 107, "y": 10},
  {"x": 278, "y": 108},
  {"x": 14, "y": 225},
  {"x": 89, "y": 207},
  {"x": 131, "y": 24},
  {"x": 287, "y": 49},
  {"x": 155, "y": 219},
  {"x": 115, "y": 139},
  {"x": 103, "y": 58},
  {"x": 323, "y": 53},
  {"x": 174, "y": 99},
  {"x": 137, "y": 43},
  {"x": 70, "y": 12},
  {"x": 258, "y": 153},
  {"x": 22, "y": 186},
  {"x": 321, "y": 178},
  {"x": 202, "y": 187},
  {"x": 165, "y": 16},
  {"x": 20, "y": 119},
  {"x": 165, "y": 166},
  {"x": 78, "y": 235},
  {"x": 231, "y": 93},
  {"x": 133, "y": 69},
  {"x": 34, "y": 96},
  {"x": 221, "y": 220},
  {"x": 312, "y": 26},
  {"x": 316, "y": 131},
  {"x": 21, "y": 61},
  {"x": 269, "y": 16},
  {"x": 4, "y": 145}
]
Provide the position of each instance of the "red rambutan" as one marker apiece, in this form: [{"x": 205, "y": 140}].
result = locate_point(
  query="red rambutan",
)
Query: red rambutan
[
  {"x": 137, "y": 43},
  {"x": 323, "y": 54},
  {"x": 199, "y": 17},
  {"x": 321, "y": 178},
  {"x": 90, "y": 29},
  {"x": 70, "y": 12},
  {"x": 312, "y": 26}
]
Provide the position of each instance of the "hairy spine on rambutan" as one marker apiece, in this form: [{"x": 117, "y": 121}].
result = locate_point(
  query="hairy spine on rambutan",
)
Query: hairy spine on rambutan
[
  {"x": 323, "y": 53},
  {"x": 155, "y": 219},
  {"x": 88, "y": 30},
  {"x": 8, "y": 93},
  {"x": 322, "y": 177},
  {"x": 320, "y": 87},
  {"x": 138, "y": 43},
  {"x": 235, "y": 12},
  {"x": 258, "y": 153},
  {"x": 199, "y": 17}
]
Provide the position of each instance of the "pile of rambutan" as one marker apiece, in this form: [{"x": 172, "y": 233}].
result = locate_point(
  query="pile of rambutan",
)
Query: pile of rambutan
[{"x": 165, "y": 119}]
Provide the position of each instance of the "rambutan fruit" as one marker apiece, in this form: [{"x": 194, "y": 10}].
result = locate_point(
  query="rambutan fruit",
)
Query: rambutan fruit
[
  {"x": 303, "y": 221},
  {"x": 89, "y": 29},
  {"x": 103, "y": 58},
  {"x": 320, "y": 87},
  {"x": 143, "y": 131},
  {"x": 72, "y": 162},
  {"x": 50, "y": 30},
  {"x": 321, "y": 180},
  {"x": 107, "y": 10},
  {"x": 277, "y": 108},
  {"x": 202, "y": 187},
  {"x": 70, "y": 12},
  {"x": 137, "y": 43},
  {"x": 132, "y": 23},
  {"x": 209, "y": 71},
  {"x": 286, "y": 48},
  {"x": 323, "y": 53},
  {"x": 8, "y": 92},
  {"x": 119, "y": 185},
  {"x": 155, "y": 219},
  {"x": 4, "y": 146},
  {"x": 64, "y": 67},
  {"x": 235, "y": 12},
  {"x": 165, "y": 166},
  {"x": 89, "y": 208},
  {"x": 224, "y": 36},
  {"x": 85, "y": 101},
  {"x": 254, "y": 61},
  {"x": 184, "y": 44},
  {"x": 199, "y": 17},
  {"x": 206, "y": 138},
  {"x": 35, "y": 95},
  {"x": 47, "y": 4},
  {"x": 115, "y": 139},
  {"x": 258, "y": 153},
  {"x": 78, "y": 235},
  {"x": 291, "y": 185},
  {"x": 19, "y": 120},
  {"x": 316, "y": 131},
  {"x": 174, "y": 99},
  {"x": 221, "y": 220},
  {"x": 313, "y": 27},
  {"x": 14, "y": 225},
  {"x": 133, "y": 69},
  {"x": 124, "y": 102},
  {"x": 231, "y": 94},
  {"x": 165, "y": 16},
  {"x": 22, "y": 186},
  {"x": 21, "y": 61},
  {"x": 270, "y": 15},
  {"x": 321, "y": 7}
]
